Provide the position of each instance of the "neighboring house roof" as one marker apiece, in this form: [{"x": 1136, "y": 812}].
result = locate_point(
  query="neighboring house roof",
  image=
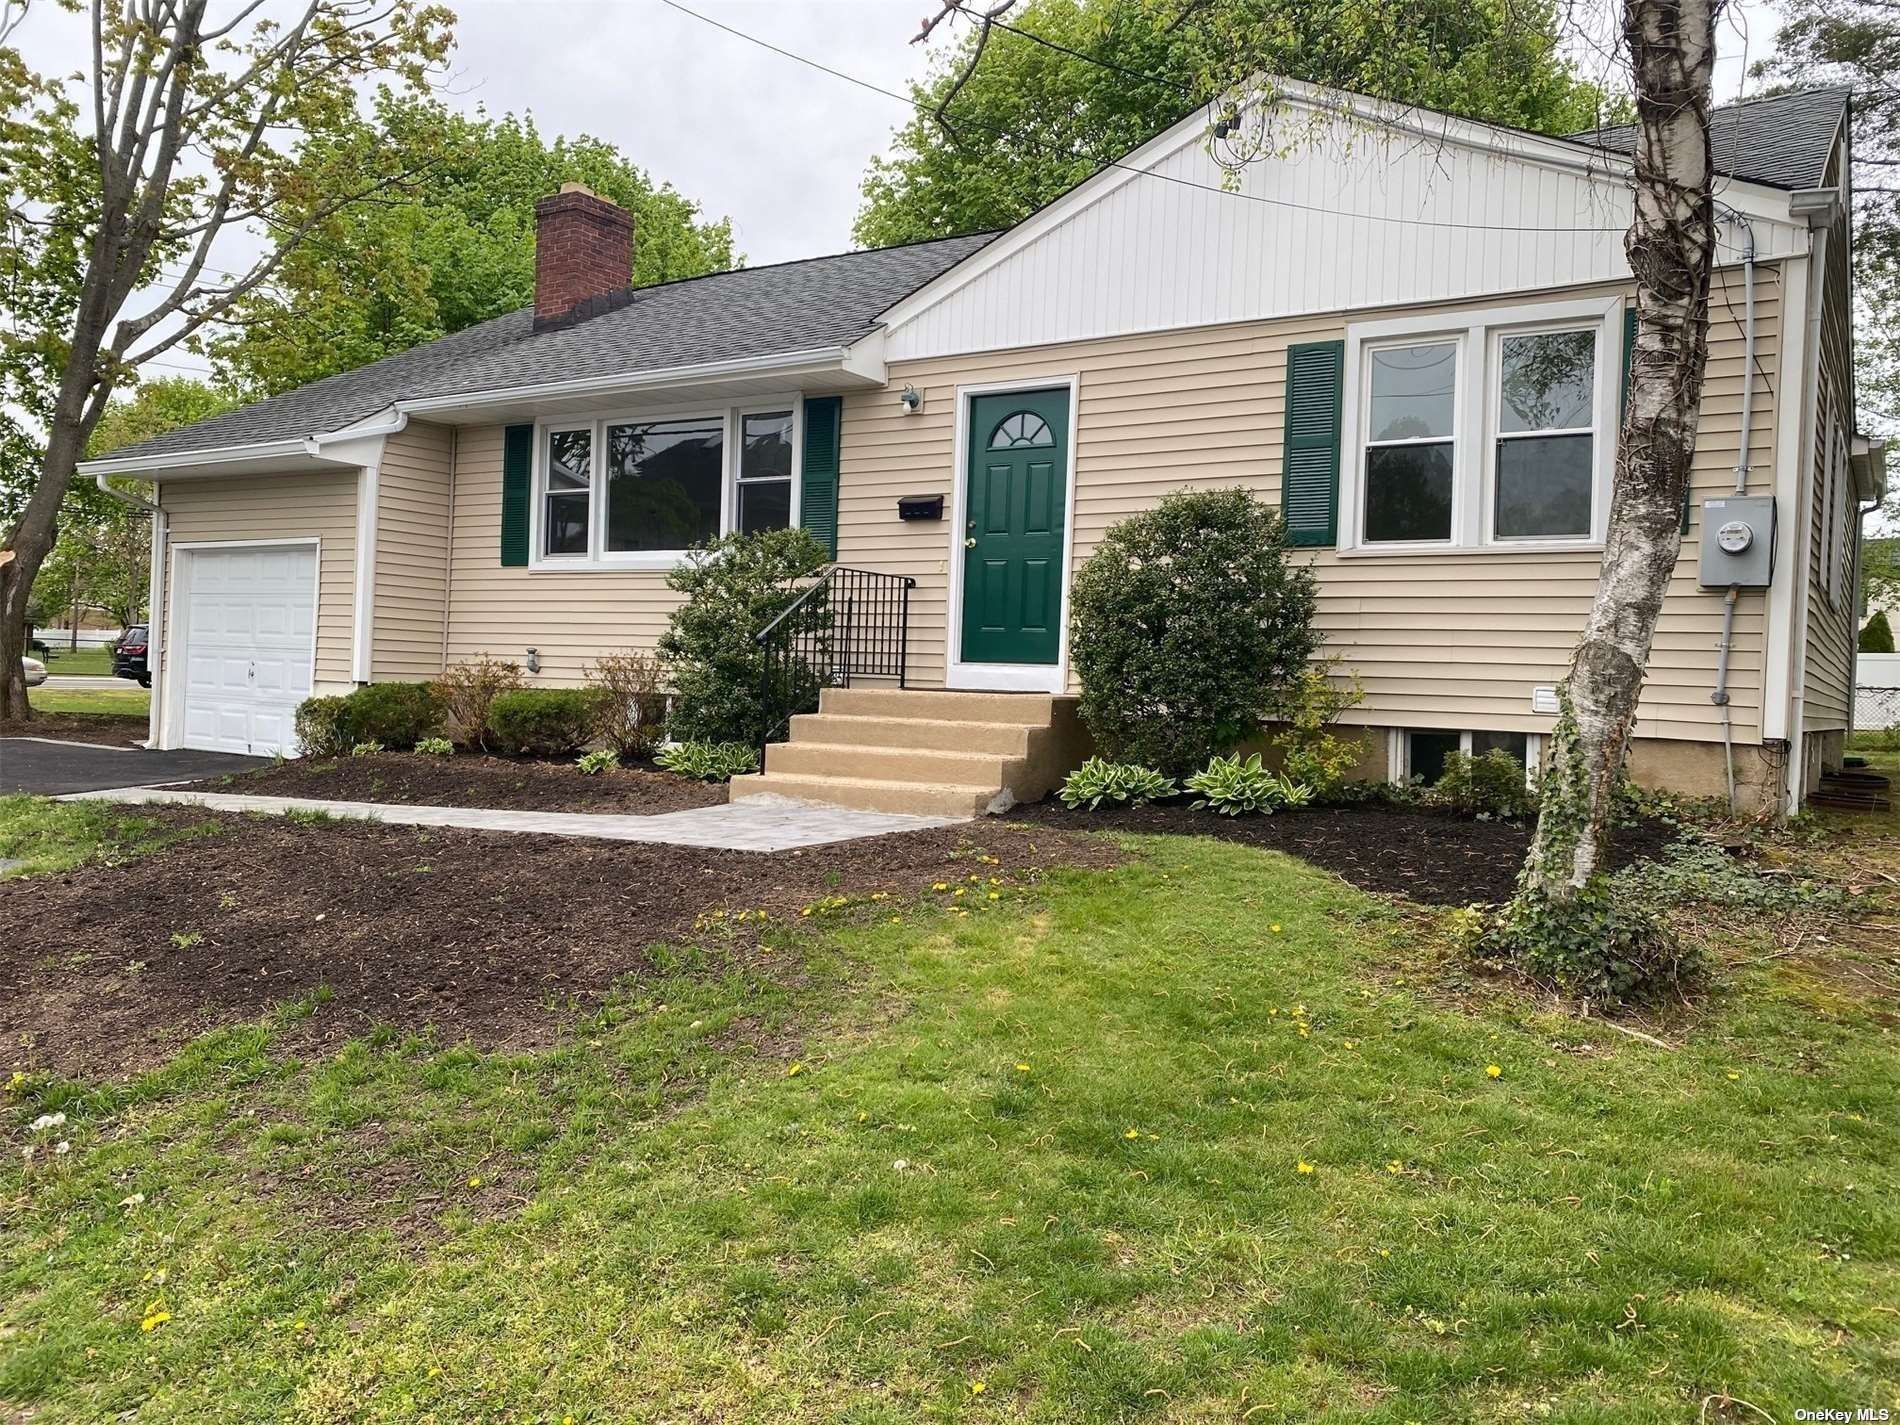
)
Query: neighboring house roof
[
  {"x": 749, "y": 312},
  {"x": 1783, "y": 140}
]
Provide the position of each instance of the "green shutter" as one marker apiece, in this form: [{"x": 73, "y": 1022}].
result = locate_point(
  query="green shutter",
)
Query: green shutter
[
  {"x": 818, "y": 482},
  {"x": 1629, "y": 357},
  {"x": 517, "y": 481},
  {"x": 1309, "y": 480}
]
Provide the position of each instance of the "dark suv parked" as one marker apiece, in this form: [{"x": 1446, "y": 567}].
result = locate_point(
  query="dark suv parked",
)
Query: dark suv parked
[{"x": 128, "y": 656}]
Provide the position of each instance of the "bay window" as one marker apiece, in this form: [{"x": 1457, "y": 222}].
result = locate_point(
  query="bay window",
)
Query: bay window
[
  {"x": 639, "y": 491},
  {"x": 1489, "y": 430}
]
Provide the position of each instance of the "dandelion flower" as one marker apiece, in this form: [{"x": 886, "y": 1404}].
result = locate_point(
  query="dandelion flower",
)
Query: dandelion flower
[
  {"x": 941, "y": 886},
  {"x": 795, "y": 1070},
  {"x": 1305, "y": 1166},
  {"x": 977, "y": 1387},
  {"x": 154, "y": 1320},
  {"x": 1395, "y": 1166},
  {"x": 1022, "y": 1068},
  {"x": 1493, "y": 1071},
  {"x": 1132, "y": 1133},
  {"x": 474, "y": 1180},
  {"x": 1734, "y": 1075},
  {"x": 1275, "y": 927}
]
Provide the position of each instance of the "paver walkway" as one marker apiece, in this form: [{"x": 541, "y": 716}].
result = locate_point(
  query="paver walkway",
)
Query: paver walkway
[{"x": 763, "y": 823}]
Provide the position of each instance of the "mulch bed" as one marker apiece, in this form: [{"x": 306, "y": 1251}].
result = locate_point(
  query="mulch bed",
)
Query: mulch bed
[
  {"x": 108, "y": 729},
  {"x": 486, "y": 937},
  {"x": 472, "y": 781},
  {"x": 1425, "y": 855}
]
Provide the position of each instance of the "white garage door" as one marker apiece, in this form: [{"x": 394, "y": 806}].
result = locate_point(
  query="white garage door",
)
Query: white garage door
[{"x": 247, "y": 638}]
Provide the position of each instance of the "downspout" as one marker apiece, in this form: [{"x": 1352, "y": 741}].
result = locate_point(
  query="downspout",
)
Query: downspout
[
  {"x": 1720, "y": 696},
  {"x": 155, "y": 597}
]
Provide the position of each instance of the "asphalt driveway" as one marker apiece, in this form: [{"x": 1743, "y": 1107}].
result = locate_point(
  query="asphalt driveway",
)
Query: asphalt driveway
[{"x": 51, "y": 769}]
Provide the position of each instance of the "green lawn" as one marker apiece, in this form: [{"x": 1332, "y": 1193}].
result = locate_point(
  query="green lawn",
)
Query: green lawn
[
  {"x": 94, "y": 662},
  {"x": 1209, "y": 1137},
  {"x": 129, "y": 701}
]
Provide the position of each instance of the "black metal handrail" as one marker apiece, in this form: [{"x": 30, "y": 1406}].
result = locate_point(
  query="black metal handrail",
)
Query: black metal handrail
[{"x": 850, "y": 623}]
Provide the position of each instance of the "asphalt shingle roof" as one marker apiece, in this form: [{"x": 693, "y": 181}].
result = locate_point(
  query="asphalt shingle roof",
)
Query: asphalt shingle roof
[
  {"x": 1782, "y": 140},
  {"x": 752, "y": 311}
]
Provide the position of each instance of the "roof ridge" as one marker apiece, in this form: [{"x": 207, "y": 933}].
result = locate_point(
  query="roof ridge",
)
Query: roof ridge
[{"x": 1740, "y": 103}]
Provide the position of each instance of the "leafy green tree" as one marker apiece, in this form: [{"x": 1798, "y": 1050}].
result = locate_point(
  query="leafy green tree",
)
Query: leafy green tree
[
  {"x": 1877, "y": 637},
  {"x": 1003, "y": 135},
  {"x": 454, "y": 248},
  {"x": 101, "y": 560},
  {"x": 123, "y": 183}
]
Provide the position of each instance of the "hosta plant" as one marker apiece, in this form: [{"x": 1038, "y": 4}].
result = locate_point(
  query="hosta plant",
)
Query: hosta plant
[
  {"x": 1121, "y": 783},
  {"x": 709, "y": 761},
  {"x": 435, "y": 747},
  {"x": 1236, "y": 788},
  {"x": 366, "y": 749},
  {"x": 601, "y": 759}
]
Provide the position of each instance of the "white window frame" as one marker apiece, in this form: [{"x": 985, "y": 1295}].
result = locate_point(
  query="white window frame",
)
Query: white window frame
[
  {"x": 1479, "y": 335},
  {"x": 598, "y": 557},
  {"x": 1455, "y": 338},
  {"x": 1398, "y": 749}
]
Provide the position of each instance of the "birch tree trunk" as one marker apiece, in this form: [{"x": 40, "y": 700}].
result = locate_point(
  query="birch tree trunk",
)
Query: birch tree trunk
[{"x": 1671, "y": 247}]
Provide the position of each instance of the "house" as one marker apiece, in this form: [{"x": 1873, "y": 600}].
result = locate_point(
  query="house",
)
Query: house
[{"x": 1408, "y": 330}]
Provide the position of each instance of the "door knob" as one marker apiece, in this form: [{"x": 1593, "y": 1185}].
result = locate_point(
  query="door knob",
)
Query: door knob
[{"x": 970, "y": 543}]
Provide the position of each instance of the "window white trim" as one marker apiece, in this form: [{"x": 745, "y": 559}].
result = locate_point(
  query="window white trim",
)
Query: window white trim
[
  {"x": 1398, "y": 750},
  {"x": 598, "y": 557},
  {"x": 1006, "y": 677},
  {"x": 1478, "y": 334}
]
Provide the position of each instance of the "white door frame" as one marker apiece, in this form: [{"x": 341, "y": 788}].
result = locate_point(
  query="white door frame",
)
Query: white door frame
[
  {"x": 168, "y": 692},
  {"x": 1006, "y": 677}
]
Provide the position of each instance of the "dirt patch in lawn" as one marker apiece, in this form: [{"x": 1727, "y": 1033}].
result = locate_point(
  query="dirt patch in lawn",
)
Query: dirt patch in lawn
[
  {"x": 105, "y": 728},
  {"x": 490, "y": 938},
  {"x": 1424, "y": 855},
  {"x": 410, "y": 779}
]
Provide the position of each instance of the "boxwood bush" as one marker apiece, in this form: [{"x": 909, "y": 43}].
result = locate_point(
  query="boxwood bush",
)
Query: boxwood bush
[
  {"x": 541, "y": 722},
  {"x": 1189, "y": 625},
  {"x": 734, "y": 586},
  {"x": 322, "y": 727},
  {"x": 394, "y": 714}
]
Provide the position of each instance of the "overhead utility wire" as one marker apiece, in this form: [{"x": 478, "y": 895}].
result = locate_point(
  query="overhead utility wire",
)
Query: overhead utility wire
[{"x": 1132, "y": 168}]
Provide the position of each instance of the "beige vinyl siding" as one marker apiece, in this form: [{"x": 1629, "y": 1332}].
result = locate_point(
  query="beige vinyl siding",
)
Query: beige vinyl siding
[
  {"x": 1440, "y": 640},
  {"x": 412, "y": 553},
  {"x": 570, "y": 616},
  {"x": 1828, "y": 671},
  {"x": 258, "y": 507}
]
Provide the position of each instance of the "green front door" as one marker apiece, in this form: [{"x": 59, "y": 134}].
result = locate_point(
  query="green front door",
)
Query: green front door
[{"x": 1012, "y": 537}]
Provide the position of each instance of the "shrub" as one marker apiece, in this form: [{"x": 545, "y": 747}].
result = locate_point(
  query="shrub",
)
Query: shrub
[
  {"x": 1233, "y": 788},
  {"x": 541, "y": 722},
  {"x": 435, "y": 747},
  {"x": 1124, "y": 783},
  {"x": 366, "y": 749},
  {"x": 734, "y": 586},
  {"x": 466, "y": 689},
  {"x": 601, "y": 759},
  {"x": 1877, "y": 637},
  {"x": 1487, "y": 785},
  {"x": 1189, "y": 625},
  {"x": 1312, "y": 752},
  {"x": 394, "y": 714},
  {"x": 631, "y": 688},
  {"x": 710, "y": 761},
  {"x": 322, "y": 727},
  {"x": 1600, "y": 945},
  {"x": 1693, "y": 870}
]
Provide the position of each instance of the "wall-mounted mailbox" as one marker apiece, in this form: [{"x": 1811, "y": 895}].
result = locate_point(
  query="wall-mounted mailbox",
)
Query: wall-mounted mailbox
[{"x": 920, "y": 507}]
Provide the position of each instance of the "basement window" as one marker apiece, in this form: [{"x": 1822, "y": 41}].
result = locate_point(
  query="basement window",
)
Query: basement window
[{"x": 1424, "y": 751}]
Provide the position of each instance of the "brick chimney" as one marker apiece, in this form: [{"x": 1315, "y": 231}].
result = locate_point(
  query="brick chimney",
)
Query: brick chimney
[{"x": 583, "y": 256}]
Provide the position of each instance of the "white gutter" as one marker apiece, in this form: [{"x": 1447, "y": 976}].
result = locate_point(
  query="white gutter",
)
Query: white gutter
[
  {"x": 150, "y": 466},
  {"x": 1810, "y": 421},
  {"x": 155, "y": 594}
]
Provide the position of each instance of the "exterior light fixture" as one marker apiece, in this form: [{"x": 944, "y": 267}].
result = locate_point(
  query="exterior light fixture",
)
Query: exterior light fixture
[
  {"x": 534, "y": 660},
  {"x": 912, "y": 400}
]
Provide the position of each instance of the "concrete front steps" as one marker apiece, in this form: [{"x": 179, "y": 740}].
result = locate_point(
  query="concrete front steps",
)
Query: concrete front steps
[{"x": 926, "y": 752}]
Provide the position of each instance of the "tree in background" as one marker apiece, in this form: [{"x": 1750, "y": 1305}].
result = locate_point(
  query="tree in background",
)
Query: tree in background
[
  {"x": 453, "y": 248},
  {"x": 193, "y": 125},
  {"x": 998, "y": 139},
  {"x": 102, "y": 559},
  {"x": 1857, "y": 43}
]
